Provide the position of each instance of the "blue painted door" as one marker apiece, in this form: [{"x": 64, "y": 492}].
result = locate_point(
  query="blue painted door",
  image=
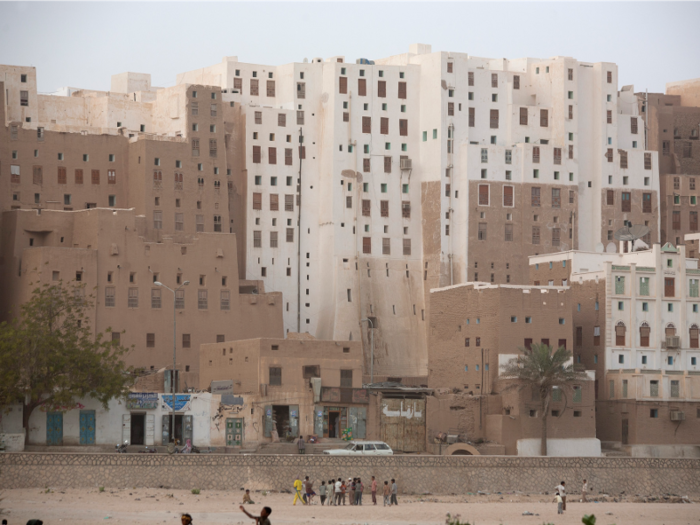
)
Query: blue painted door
[
  {"x": 87, "y": 427},
  {"x": 54, "y": 428}
]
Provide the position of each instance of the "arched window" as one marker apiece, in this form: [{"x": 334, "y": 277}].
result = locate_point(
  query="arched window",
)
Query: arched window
[
  {"x": 644, "y": 334},
  {"x": 670, "y": 330},
  {"x": 694, "y": 336},
  {"x": 620, "y": 331}
]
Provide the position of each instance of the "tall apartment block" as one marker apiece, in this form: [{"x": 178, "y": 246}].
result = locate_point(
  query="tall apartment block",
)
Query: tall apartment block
[
  {"x": 361, "y": 186},
  {"x": 351, "y": 188},
  {"x": 673, "y": 130}
]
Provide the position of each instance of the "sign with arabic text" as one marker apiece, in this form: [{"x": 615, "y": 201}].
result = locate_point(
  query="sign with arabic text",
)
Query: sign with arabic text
[
  {"x": 142, "y": 401},
  {"x": 182, "y": 401}
]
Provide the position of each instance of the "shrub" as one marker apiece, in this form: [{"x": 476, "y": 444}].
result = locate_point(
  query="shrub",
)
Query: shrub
[{"x": 195, "y": 491}]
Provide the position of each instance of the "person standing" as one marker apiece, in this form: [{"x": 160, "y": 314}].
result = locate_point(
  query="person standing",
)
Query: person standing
[
  {"x": 303, "y": 489},
  {"x": 302, "y": 445},
  {"x": 387, "y": 494},
  {"x": 309, "y": 490},
  {"x": 297, "y": 492},
  {"x": 394, "y": 492},
  {"x": 558, "y": 499},
  {"x": 561, "y": 489},
  {"x": 331, "y": 492},
  {"x": 343, "y": 488},
  {"x": 374, "y": 491},
  {"x": 338, "y": 488},
  {"x": 359, "y": 489},
  {"x": 322, "y": 492},
  {"x": 584, "y": 491},
  {"x": 351, "y": 490}
]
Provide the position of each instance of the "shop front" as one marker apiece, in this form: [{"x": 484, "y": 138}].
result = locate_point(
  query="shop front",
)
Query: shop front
[{"x": 341, "y": 414}]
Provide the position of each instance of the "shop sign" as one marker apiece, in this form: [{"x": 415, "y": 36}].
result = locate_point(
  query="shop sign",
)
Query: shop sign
[
  {"x": 182, "y": 401},
  {"x": 142, "y": 401}
]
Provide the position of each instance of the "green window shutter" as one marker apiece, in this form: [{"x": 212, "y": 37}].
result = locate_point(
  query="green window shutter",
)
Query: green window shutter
[
  {"x": 644, "y": 286},
  {"x": 693, "y": 288},
  {"x": 620, "y": 285}
]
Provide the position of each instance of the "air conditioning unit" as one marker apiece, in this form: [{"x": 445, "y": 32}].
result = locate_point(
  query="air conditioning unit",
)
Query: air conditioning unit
[
  {"x": 405, "y": 164},
  {"x": 677, "y": 415},
  {"x": 673, "y": 341}
]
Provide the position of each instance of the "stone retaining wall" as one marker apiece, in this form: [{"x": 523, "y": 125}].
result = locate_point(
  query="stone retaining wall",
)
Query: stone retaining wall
[{"x": 414, "y": 474}]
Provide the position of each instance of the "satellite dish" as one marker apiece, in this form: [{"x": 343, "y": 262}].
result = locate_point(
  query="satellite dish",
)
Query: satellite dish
[
  {"x": 611, "y": 248},
  {"x": 599, "y": 248},
  {"x": 631, "y": 233}
]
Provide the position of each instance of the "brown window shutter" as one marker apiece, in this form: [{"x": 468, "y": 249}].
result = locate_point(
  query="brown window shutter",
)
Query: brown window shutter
[
  {"x": 366, "y": 208},
  {"x": 571, "y": 112},
  {"x": 494, "y": 80},
  {"x": 270, "y": 88},
  {"x": 272, "y": 155},
  {"x": 472, "y": 117},
  {"x": 406, "y": 210},
  {"x": 507, "y": 195},
  {"x": 348, "y": 201},
  {"x": 610, "y": 199},
  {"x": 254, "y": 87},
  {"x": 301, "y": 89},
  {"x": 238, "y": 84},
  {"x": 346, "y": 116},
  {"x": 366, "y": 245},
  {"x": 609, "y": 116},
  {"x": 535, "y": 197},
  {"x": 556, "y": 198},
  {"x": 365, "y": 165},
  {"x": 274, "y": 202},
  {"x": 609, "y": 154},
  {"x": 300, "y": 118},
  {"x": 381, "y": 88},
  {"x": 78, "y": 176},
  {"x": 523, "y": 116},
  {"x": 450, "y": 109},
  {"x": 366, "y": 124},
  {"x": 623, "y": 159},
  {"x": 256, "y": 154},
  {"x": 633, "y": 125},
  {"x": 557, "y": 155},
  {"x": 494, "y": 118},
  {"x": 626, "y": 201},
  {"x": 470, "y": 78},
  {"x": 402, "y": 90},
  {"x": 258, "y": 117},
  {"x": 571, "y": 151},
  {"x": 544, "y": 118},
  {"x": 289, "y": 203},
  {"x": 62, "y": 178},
  {"x": 516, "y": 82},
  {"x": 535, "y": 235},
  {"x": 483, "y": 195},
  {"x": 361, "y": 87},
  {"x": 403, "y": 127},
  {"x": 571, "y": 74},
  {"x": 609, "y": 77},
  {"x": 95, "y": 176},
  {"x": 407, "y": 251},
  {"x": 449, "y": 67},
  {"x": 288, "y": 156},
  {"x": 257, "y": 201},
  {"x": 647, "y": 161},
  {"x": 387, "y": 164},
  {"x": 384, "y": 126},
  {"x": 343, "y": 85},
  {"x": 282, "y": 120},
  {"x": 536, "y": 154},
  {"x": 384, "y": 208},
  {"x": 646, "y": 206}
]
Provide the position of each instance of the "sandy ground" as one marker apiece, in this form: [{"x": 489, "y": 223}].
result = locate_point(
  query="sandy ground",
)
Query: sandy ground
[{"x": 150, "y": 506}]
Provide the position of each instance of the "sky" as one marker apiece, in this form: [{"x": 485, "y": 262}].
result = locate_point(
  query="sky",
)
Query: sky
[{"x": 82, "y": 44}]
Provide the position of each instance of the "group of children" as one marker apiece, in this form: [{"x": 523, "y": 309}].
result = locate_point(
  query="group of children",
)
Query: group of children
[{"x": 335, "y": 491}]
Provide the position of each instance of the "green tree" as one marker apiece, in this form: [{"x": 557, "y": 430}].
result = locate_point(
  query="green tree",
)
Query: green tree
[
  {"x": 49, "y": 356},
  {"x": 541, "y": 369}
]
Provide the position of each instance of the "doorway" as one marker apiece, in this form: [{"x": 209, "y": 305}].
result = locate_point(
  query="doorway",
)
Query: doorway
[
  {"x": 54, "y": 428},
  {"x": 234, "y": 432},
  {"x": 138, "y": 429},
  {"x": 280, "y": 417},
  {"x": 334, "y": 423},
  {"x": 87, "y": 427},
  {"x": 625, "y": 431},
  {"x": 183, "y": 428}
]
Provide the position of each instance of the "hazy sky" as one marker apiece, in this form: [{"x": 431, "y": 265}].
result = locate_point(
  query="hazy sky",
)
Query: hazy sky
[{"x": 83, "y": 44}]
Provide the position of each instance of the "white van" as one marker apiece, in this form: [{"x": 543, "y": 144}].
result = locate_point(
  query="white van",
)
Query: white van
[{"x": 362, "y": 448}]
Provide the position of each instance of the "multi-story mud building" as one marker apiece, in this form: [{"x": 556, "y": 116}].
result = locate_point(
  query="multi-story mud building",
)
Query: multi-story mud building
[{"x": 352, "y": 188}]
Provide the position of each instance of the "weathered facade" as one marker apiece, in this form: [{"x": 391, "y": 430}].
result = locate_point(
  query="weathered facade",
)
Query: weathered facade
[
  {"x": 636, "y": 318},
  {"x": 475, "y": 328}
]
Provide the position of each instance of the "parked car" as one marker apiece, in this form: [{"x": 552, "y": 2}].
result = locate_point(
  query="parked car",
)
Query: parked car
[{"x": 362, "y": 448}]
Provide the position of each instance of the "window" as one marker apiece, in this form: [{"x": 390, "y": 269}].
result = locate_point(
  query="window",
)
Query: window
[
  {"x": 654, "y": 392},
  {"x": 366, "y": 245},
  {"x": 620, "y": 285},
  {"x": 110, "y": 296},
  {"x": 155, "y": 298},
  {"x": 669, "y": 287},
  {"x": 647, "y": 161},
  {"x": 523, "y": 116},
  {"x": 535, "y": 235},
  {"x": 481, "y": 232},
  {"x": 644, "y": 331},
  {"x": 544, "y": 118},
  {"x": 472, "y": 117},
  {"x": 535, "y": 197},
  {"x": 493, "y": 117},
  {"x": 620, "y": 331},
  {"x": 507, "y": 196},
  {"x": 133, "y": 301},
  {"x": 484, "y": 194},
  {"x": 626, "y": 201},
  {"x": 516, "y": 82}
]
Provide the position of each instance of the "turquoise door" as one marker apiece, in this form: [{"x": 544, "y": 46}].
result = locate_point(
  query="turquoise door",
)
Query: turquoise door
[
  {"x": 87, "y": 427},
  {"x": 54, "y": 428}
]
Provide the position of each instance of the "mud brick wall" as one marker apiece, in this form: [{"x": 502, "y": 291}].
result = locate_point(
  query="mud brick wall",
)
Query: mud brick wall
[{"x": 414, "y": 474}]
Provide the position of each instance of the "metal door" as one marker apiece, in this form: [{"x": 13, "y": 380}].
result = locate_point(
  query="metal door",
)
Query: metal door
[
  {"x": 234, "y": 432},
  {"x": 126, "y": 428},
  {"x": 267, "y": 427},
  {"x": 625, "y": 431},
  {"x": 87, "y": 427},
  {"x": 294, "y": 420},
  {"x": 187, "y": 428},
  {"x": 318, "y": 421},
  {"x": 166, "y": 429},
  {"x": 357, "y": 421},
  {"x": 54, "y": 428},
  {"x": 150, "y": 429},
  {"x": 403, "y": 424}
]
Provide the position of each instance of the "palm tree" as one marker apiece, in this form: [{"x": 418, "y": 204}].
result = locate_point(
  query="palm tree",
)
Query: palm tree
[{"x": 542, "y": 369}]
